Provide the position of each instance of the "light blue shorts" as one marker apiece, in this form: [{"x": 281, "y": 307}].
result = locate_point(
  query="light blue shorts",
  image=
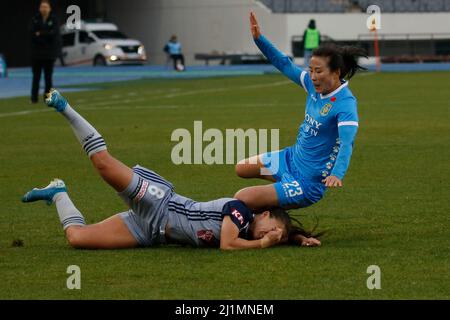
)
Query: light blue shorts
[{"x": 292, "y": 189}]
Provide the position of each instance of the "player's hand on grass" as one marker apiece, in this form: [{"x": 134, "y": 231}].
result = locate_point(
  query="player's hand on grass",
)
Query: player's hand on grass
[
  {"x": 311, "y": 242},
  {"x": 254, "y": 27},
  {"x": 332, "y": 181},
  {"x": 307, "y": 242},
  {"x": 271, "y": 238}
]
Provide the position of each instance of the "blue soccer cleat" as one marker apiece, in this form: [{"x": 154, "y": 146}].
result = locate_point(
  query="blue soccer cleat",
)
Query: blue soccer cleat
[
  {"x": 56, "y": 100},
  {"x": 47, "y": 193}
]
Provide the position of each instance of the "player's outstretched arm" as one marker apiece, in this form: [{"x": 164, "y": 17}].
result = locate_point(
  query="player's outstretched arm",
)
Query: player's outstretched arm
[
  {"x": 279, "y": 60},
  {"x": 254, "y": 26},
  {"x": 346, "y": 136},
  {"x": 229, "y": 238}
]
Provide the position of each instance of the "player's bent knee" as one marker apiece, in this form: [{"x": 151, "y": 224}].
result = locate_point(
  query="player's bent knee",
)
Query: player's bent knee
[
  {"x": 75, "y": 237},
  {"x": 245, "y": 170},
  {"x": 240, "y": 169},
  {"x": 248, "y": 168},
  {"x": 102, "y": 161}
]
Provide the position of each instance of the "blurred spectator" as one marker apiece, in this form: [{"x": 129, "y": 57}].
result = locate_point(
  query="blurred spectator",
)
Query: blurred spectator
[
  {"x": 45, "y": 47},
  {"x": 173, "y": 49},
  {"x": 311, "y": 41},
  {"x": 354, "y": 6},
  {"x": 3, "y": 68}
]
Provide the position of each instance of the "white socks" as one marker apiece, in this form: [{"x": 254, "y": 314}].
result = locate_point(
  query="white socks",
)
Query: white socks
[
  {"x": 68, "y": 214},
  {"x": 91, "y": 141}
]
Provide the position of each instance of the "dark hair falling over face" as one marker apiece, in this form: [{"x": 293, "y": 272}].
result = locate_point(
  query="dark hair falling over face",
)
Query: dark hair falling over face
[
  {"x": 293, "y": 226},
  {"x": 344, "y": 59}
]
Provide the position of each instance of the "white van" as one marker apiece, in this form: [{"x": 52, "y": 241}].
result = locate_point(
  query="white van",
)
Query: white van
[{"x": 100, "y": 44}]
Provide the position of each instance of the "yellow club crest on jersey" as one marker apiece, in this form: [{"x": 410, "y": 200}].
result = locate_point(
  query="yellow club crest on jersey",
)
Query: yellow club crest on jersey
[{"x": 325, "y": 109}]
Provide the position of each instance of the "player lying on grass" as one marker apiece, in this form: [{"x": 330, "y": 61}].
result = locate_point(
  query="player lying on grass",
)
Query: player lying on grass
[
  {"x": 157, "y": 214},
  {"x": 321, "y": 155}
]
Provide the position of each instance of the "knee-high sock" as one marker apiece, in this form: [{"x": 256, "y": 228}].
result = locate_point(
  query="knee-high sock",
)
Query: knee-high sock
[
  {"x": 91, "y": 141},
  {"x": 68, "y": 214}
]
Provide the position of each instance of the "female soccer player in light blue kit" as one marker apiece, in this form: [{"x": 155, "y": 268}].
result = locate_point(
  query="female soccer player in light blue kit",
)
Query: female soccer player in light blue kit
[{"x": 321, "y": 155}]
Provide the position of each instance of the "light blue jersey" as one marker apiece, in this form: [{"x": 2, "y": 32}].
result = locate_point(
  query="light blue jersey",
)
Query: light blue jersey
[
  {"x": 318, "y": 144},
  {"x": 325, "y": 138},
  {"x": 174, "y": 47}
]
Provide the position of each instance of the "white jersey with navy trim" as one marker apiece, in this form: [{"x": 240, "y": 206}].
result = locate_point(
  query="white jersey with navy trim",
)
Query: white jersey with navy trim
[
  {"x": 199, "y": 223},
  {"x": 155, "y": 208}
]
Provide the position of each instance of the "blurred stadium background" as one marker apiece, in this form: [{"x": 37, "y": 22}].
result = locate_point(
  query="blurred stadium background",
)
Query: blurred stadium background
[
  {"x": 412, "y": 30},
  {"x": 414, "y": 34}
]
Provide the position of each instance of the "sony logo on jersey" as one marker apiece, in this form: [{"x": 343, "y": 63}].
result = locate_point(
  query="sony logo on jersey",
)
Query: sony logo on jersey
[
  {"x": 312, "y": 122},
  {"x": 311, "y": 125},
  {"x": 238, "y": 216}
]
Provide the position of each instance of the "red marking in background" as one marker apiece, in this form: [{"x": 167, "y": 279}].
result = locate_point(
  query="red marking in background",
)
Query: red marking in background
[{"x": 377, "y": 49}]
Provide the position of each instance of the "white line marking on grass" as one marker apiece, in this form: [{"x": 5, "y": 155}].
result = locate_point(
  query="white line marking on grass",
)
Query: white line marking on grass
[
  {"x": 187, "y": 93},
  {"x": 109, "y": 107},
  {"x": 265, "y": 85},
  {"x": 108, "y": 103},
  {"x": 21, "y": 113},
  {"x": 175, "y": 92},
  {"x": 130, "y": 94},
  {"x": 253, "y": 86},
  {"x": 239, "y": 105},
  {"x": 90, "y": 106},
  {"x": 365, "y": 74},
  {"x": 134, "y": 107}
]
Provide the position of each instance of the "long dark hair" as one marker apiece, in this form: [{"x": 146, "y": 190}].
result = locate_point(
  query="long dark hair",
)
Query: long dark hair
[
  {"x": 294, "y": 227},
  {"x": 344, "y": 58}
]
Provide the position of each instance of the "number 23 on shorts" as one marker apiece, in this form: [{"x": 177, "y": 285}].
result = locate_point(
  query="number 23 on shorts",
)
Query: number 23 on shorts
[{"x": 293, "y": 188}]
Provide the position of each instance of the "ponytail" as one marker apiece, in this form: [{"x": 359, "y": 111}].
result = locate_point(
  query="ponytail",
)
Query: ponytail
[
  {"x": 344, "y": 59},
  {"x": 296, "y": 228}
]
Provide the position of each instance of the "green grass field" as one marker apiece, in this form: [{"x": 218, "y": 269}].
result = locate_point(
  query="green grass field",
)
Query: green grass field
[{"x": 393, "y": 211}]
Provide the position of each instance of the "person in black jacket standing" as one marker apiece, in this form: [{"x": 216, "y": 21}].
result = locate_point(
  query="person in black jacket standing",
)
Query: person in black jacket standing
[{"x": 45, "y": 47}]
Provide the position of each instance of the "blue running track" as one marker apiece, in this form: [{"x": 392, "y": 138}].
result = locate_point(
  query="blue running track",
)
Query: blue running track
[{"x": 18, "y": 83}]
